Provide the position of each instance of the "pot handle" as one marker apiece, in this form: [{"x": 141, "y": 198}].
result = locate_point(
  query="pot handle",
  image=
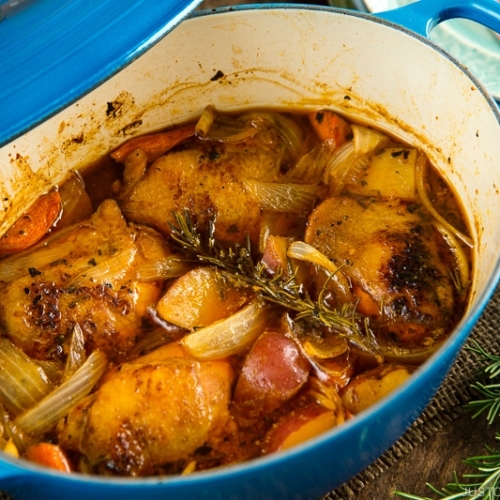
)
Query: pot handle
[{"x": 424, "y": 15}]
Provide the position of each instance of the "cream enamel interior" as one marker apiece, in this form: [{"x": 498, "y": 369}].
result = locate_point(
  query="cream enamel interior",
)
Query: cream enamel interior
[{"x": 282, "y": 58}]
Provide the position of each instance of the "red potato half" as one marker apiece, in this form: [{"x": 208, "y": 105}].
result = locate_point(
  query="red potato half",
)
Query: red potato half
[
  {"x": 299, "y": 426},
  {"x": 272, "y": 373}
]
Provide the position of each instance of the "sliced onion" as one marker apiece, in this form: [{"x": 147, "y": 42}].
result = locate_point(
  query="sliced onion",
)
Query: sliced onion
[
  {"x": 280, "y": 224},
  {"x": 22, "y": 381},
  {"x": 338, "y": 283},
  {"x": 311, "y": 166},
  {"x": 232, "y": 129},
  {"x": 224, "y": 128},
  {"x": 53, "y": 369},
  {"x": 109, "y": 270},
  {"x": 461, "y": 261},
  {"x": 303, "y": 251},
  {"x": 77, "y": 354},
  {"x": 76, "y": 203},
  {"x": 409, "y": 356},
  {"x": 159, "y": 336},
  {"x": 14, "y": 437},
  {"x": 172, "y": 266},
  {"x": 17, "y": 266},
  {"x": 45, "y": 414},
  {"x": 289, "y": 132},
  {"x": 420, "y": 168},
  {"x": 205, "y": 121},
  {"x": 366, "y": 139},
  {"x": 229, "y": 336},
  {"x": 277, "y": 197},
  {"x": 344, "y": 167}
]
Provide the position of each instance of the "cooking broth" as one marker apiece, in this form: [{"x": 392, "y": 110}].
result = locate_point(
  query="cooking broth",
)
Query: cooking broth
[{"x": 223, "y": 290}]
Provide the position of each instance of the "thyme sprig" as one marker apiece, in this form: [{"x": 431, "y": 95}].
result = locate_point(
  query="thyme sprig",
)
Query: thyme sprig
[
  {"x": 483, "y": 484},
  {"x": 236, "y": 263}
]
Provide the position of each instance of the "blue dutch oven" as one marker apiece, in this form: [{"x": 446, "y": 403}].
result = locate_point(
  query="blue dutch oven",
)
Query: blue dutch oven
[{"x": 379, "y": 67}]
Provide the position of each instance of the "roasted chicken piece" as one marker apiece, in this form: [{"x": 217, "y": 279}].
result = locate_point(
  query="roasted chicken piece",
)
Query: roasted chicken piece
[
  {"x": 390, "y": 253},
  {"x": 207, "y": 180},
  {"x": 90, "y": 280},
  {"x": 158, "y": 410}
]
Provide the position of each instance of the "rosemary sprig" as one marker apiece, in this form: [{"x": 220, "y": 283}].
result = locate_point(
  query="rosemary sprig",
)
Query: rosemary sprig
[
  {"x": 486, "y": 385},
  {"x": 236, "y": 264},
  {"x": 485, "y": 483}
]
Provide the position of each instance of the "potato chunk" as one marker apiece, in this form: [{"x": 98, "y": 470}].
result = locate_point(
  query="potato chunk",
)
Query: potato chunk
[
  {"x": 391, "y": 174},
  {"x": 199, "y": 298},
  {"x": 272, "y": 373},
  {"x": 369, "y": 387}
]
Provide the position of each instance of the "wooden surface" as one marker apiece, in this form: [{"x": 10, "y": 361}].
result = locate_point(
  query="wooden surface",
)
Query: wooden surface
[{"x": 435, "y": 459}]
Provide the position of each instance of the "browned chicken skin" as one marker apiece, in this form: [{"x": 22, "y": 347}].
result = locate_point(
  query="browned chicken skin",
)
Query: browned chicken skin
[
  {"x": 39, "y": 310},
  {"x": 207, "y": 181},
  {"x": 158, "y": 409},
  {"x": 390, "y": 253}
]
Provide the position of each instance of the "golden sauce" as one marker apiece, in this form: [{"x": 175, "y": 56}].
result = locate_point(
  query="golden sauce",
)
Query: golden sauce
[{"x": 250, "y": 280}]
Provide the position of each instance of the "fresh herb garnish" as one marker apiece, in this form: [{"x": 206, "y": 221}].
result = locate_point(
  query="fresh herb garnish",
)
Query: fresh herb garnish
[{"x": 236, "y": 263}]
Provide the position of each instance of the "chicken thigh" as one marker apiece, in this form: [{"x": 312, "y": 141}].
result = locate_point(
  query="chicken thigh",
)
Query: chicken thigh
[
  {"x": 390, "y": 253},
  {"x": 90, "y": 280},
  {"x": 156, "y": 410},
  {"x": 207, "y": 180}
]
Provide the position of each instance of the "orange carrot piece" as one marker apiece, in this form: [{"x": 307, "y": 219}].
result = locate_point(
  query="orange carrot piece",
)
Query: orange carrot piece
[
  {"x": 49, "y": 455},
  {"x": 154, "y": 145},
  {"x": 329, "y": 125},
  {"x": 33, "y": 225}
]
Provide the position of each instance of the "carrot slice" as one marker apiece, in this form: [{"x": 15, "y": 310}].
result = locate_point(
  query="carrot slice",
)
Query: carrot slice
[
  {"x": 49, "y": 455},
  {"x": 33, "y": 225},
  {"x": 154, "y": 145},
  {"x": 329, "y": 125}
]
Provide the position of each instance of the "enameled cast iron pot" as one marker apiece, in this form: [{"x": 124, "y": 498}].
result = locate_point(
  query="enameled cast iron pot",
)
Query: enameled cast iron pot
[{"x": 282, "y": 56}]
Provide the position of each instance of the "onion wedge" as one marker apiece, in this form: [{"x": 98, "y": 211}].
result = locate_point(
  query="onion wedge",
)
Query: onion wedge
[
  {"x": 76, "y": 354},
  {"x": 45, "y": 414},
  {"x": 366, "y": 139},
  {"x": 461, "y": 261},
  {"x": 310, "y": 167},
  {"x": 22, "y": 381},
  {"x": 229, "y": 336},
  {"x": 303, "y": 251},
  {"x": 277, "y": 197},
  {"x": 344, "y": 167},
  {"x": 17, "y": 266},
  {"x": 420, "y": 167},
  {"x": 107, "y": 271},
  {"x": 222, "y": 128},
  {"x": 169, "y": 267}
]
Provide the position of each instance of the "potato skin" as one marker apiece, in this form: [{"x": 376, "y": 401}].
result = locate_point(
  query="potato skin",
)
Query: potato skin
[
  {"x": 273, "y": 372},
  {"x": 369, "y": 387}
]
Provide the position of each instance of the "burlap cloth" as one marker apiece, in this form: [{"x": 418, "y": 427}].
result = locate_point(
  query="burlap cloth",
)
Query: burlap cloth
[{"x": 446, "y": 406}]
